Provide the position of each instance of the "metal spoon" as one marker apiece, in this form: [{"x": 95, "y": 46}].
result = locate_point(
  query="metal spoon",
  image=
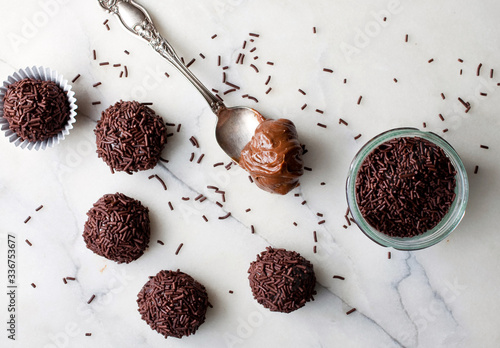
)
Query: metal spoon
[{"x": 235, "y": 126}]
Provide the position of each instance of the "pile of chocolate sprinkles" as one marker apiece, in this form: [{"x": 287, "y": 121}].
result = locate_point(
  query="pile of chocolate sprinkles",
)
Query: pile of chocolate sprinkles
[
  {"x": 117, "y": 228},
  {"x": 173, "y": 303},
  {"x": 282, "y": 280},
  {"x": 36, "y": 110},
  {"x": 130, "y": 137},
  {"x": 405, "y": 187}
]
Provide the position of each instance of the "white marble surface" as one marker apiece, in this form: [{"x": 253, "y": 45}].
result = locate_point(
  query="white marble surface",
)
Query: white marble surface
[{"x": 444, "y": 296}]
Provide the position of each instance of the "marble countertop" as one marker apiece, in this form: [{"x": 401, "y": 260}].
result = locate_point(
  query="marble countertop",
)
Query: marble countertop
[{"x": 443, "y": 296}]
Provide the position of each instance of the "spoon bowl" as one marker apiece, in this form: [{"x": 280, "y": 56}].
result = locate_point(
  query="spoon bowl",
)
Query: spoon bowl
[{"x": 235, "y": 126}]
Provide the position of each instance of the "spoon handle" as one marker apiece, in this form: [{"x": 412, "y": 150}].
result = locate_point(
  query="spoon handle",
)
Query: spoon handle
[{"x": 137, "y": 20}]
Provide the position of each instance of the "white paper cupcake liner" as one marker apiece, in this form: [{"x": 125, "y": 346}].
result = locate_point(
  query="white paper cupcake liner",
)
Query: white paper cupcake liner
[{"x": 44, "y": 74}]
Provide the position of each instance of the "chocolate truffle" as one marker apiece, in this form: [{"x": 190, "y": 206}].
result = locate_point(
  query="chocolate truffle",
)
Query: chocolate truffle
[
  {"x": 173, "y": 303},
  {"x": 130, "y": 137},
  {"x": 117, "y": 228},
  {"x": 274, "y": 156},
  {"x": 36, "y": 110},
  {"x": 282, "y": 280}
]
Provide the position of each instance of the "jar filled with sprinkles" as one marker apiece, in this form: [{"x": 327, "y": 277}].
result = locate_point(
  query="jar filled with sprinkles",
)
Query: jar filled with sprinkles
[{"x": 407, "y": 189}]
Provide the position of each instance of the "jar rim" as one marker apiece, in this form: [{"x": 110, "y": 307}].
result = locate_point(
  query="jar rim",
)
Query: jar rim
[{"x": 447, "y": 224}]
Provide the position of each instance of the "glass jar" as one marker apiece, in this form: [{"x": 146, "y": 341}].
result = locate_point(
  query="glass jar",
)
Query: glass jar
[{"x": 449, "y": 222}]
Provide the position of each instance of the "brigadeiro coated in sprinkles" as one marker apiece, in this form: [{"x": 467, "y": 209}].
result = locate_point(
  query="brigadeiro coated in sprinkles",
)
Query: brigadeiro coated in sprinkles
[
  {"x": 117, "y": 228},
  {"x": 282, "y": 280},
  {"x": 173, "y": 303},
  {"x": 35, "y": 110},
  {"x": 130, "y": 137}
]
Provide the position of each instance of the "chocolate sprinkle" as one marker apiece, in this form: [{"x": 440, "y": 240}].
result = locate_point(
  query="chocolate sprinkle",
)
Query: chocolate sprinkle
[
  {"x": 225, "y": 216},
  {"x": 179, "y": 249},
  {"x": 161, "y": 182},
  {"x": 35, "y": 110},
  {"x": 28, "y": 242},
  {"x": 173, "y": 303},
  {"x": 117, "y": 228},
  {"x": 405, "y": 186},
  {"x": 194, "y": 142},
  {"x": 281, "y": 280},
  {"x": 350, "y": 311},
  {"x": 130, "y": 137}
]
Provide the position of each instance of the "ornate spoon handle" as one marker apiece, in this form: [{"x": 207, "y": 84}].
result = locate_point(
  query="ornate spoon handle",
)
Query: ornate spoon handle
[{"x": 137, "y": 20}]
